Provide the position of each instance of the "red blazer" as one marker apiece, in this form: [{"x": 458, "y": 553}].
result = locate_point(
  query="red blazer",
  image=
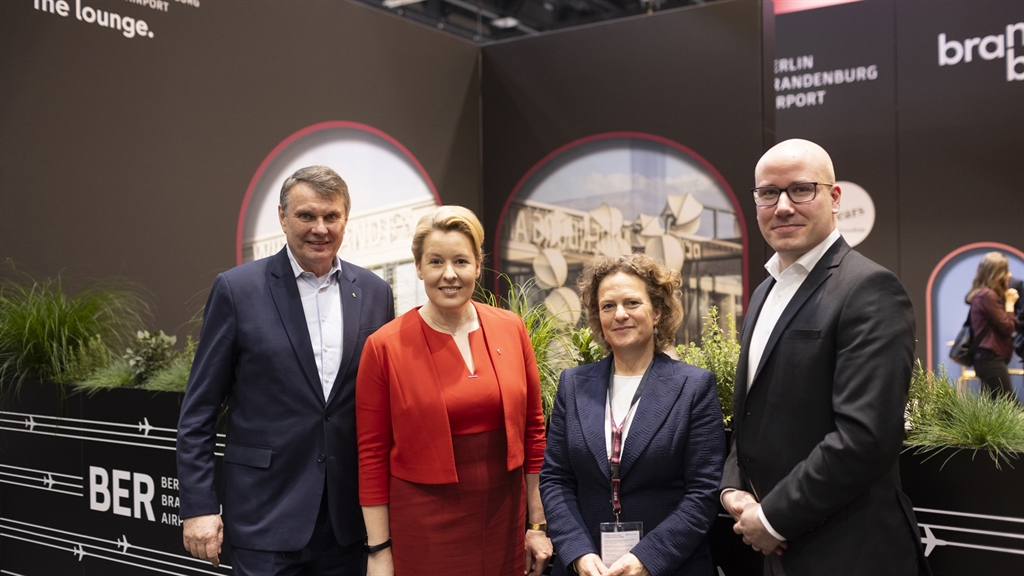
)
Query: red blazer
[{"x": 401, "y": 419}]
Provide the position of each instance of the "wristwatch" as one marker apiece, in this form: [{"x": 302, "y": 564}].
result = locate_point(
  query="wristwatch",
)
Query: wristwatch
[
  {"x": 378, "y": 547},
  {"x": 543, "y": 526}
]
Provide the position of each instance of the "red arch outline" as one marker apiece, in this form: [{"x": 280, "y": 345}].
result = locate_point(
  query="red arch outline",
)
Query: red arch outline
[
  {"x": 625, "y": 134},
  {"x": 935, "y": 272},
  {"x": 305, "y": 132}
]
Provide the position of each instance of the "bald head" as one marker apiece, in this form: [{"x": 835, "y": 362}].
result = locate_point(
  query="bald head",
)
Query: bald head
[
  {"x": 797, "y": 153},
  {"x": 793, "y": 228}
]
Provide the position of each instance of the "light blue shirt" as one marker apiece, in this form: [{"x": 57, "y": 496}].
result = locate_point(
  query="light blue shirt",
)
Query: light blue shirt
[{"x": 321, "y": 303}]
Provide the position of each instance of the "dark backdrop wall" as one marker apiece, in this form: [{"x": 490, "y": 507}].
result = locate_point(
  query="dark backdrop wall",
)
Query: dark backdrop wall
[
  {"x": 131, "y": 156},
  {"x": 938, "y": 145},
  {"x": 692, "y": 75}
]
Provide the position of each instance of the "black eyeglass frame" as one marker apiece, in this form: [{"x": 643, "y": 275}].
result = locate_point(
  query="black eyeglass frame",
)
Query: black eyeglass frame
[{"x": 754, "y": 192}]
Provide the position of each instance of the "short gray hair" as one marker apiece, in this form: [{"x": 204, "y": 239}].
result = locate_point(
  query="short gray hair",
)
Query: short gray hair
[{"x": 324, "y": 181}]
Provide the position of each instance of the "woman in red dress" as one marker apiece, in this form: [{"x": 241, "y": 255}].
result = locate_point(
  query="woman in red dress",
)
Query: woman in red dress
[{"x": 450, "y": 425}]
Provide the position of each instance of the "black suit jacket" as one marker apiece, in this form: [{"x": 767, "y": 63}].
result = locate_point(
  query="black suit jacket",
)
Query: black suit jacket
[
  {"x": 818, "y": 435},
  {"x": 283, "y": 439},
  {"x": 671, "y": 465}
]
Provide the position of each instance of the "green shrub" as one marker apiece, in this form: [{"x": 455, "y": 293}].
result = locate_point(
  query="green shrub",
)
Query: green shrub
[
  {"x": 584, "y": 349},
  {"x": 940, "y": 417},
  {"x": 719, "y": 353},
  {"x": 90, "y": 357},
  {"x": 42, "y": 326},
  {"x": 174, "y": 376},
  {"x": 148, "y": 354}
]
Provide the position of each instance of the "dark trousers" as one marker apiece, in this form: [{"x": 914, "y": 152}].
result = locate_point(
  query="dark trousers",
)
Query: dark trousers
[
  {"x": 322, "y": 556},
  {"x": 993, "y": 372},
  {"x": 773, "y": 566}
]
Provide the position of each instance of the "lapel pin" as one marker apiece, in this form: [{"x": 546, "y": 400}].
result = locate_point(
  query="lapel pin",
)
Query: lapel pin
[{"x": 353, "y": 294}]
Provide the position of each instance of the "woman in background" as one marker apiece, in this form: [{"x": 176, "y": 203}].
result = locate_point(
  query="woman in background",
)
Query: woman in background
[
  {"x": 992, "y": 323},
  {"x": 449, "y": 419},
  {"x": 639, "y": 416}
]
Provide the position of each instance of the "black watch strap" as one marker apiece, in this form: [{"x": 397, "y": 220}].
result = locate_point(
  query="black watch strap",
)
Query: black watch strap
[{"x": 378, "y": 547}]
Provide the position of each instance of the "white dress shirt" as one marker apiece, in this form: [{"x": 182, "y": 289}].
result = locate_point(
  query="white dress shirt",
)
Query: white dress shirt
[
  {"x": 787, "y": 282},
  {"x": 321, "y": 303}
]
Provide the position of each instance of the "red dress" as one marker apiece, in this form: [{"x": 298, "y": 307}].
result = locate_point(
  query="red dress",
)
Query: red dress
[{"x": 473, "y": 527}]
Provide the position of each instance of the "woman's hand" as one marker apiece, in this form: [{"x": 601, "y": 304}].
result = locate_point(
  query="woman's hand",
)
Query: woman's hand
[
  {"x": 1011, "y": 298},
  {"x": 628, "y": 565},
  {"x": 380, "y": 563},
  {"x": 589, "y": 565},
  {"x": 538, "y": 552}
]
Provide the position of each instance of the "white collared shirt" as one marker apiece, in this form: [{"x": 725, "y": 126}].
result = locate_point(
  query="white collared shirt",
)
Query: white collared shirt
[
  {"x": 787, "y": 282},
  {"x": 321, "y": 303}
]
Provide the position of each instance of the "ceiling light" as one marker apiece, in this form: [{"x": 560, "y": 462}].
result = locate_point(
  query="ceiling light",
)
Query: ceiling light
[
  {"x": 397, "y": 3},
  {"x": 505, "y": 23}
]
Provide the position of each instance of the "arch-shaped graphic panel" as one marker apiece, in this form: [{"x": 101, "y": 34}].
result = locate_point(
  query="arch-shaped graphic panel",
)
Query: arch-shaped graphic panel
[
  {"x": 945, "y": 307},
  {"x": 623, "y": 192},
  {"x": 389, "y": 188}
]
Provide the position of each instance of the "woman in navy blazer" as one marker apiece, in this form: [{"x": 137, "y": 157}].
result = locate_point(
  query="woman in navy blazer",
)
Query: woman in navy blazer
[{"x": 672, "y": 442}]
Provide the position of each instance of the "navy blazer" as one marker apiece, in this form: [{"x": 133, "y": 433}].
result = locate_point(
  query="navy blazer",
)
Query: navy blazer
[
  {"x": 817, "y": 437},
  {"x": 283, "y": 439},
  {"x": 671, "y": 466}
]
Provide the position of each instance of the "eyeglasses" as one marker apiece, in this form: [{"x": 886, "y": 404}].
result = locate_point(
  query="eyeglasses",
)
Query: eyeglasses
[{"x": 799, "y": 193}]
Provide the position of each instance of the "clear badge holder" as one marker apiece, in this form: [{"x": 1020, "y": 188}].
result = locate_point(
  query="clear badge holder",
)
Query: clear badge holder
[{"x": 618, "y": 538}]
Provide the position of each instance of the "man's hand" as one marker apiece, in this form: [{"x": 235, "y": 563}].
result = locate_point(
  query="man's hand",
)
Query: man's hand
[
  {"x": 538, "y": 552},
  {"x": 203, "y": 536},
  {"x": 628, "y": 565},
  {"x": 590, "y": 565},
  {"x": 755, "y": 534},
  {"x": 735, "y": 501},
  {"x": 380, "y": 563}
]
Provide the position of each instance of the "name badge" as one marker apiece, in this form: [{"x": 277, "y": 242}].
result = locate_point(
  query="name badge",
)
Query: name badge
[{"x": 618, "y": 538}]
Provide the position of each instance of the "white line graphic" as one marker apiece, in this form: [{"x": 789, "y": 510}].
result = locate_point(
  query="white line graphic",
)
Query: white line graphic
[
  {"x": 72, "y": 476},
  {"x": 970, "y": 515},
  {"x": 120, "y": 547}
]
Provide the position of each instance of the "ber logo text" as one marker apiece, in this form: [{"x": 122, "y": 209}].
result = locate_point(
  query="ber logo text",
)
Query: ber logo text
[{"x": 126, "y": 493}]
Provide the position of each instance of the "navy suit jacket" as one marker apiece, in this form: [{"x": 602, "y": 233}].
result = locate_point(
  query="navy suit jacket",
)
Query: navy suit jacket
[
  {"x": 817, "y": 437},
  {"x": 671, "y": 465},
  {"x": 283, "y": 439}
]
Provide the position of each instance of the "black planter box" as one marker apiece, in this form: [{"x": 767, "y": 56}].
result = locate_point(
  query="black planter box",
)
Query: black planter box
[
  {"x": 971, "y": 514},
  {"x": 88, "y": 485}
]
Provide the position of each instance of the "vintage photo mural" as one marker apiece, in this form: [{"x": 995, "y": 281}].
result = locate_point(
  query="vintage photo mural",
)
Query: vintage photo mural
[
  {"x": 389, "y": 188},
  {"x": 619, "y": 193}
]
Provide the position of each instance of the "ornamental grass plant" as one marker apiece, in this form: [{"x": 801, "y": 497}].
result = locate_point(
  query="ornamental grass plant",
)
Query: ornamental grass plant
[
  {"x": 46, "y": 327},
  {"x": 173, "y": 377},
  {"x": 718, "y": 353},
  {"x": 939, "y": 417},
  {"x": 548, "y": 335}
]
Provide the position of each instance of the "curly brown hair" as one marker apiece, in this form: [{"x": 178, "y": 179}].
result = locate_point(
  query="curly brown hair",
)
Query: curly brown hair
[{"x": 662, "y": 288}]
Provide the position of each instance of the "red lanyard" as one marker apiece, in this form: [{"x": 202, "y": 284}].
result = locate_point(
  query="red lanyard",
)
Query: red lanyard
[{"x": 613, "y": 462}]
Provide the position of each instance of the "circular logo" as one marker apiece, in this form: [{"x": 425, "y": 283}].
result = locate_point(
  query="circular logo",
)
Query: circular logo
[{"x": 856, "y": 215}]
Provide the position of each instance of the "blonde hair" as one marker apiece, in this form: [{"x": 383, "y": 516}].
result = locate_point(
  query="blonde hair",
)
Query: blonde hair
[
  {"x": 991, "y": 272},
  {"x": 662, "y": 288},
  {"x": 449, "y": 219}
]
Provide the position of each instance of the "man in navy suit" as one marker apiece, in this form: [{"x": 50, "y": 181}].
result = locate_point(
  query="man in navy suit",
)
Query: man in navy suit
[
  {"x": 280, "y": 346},
  {"x": 812, "y": 478}
]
